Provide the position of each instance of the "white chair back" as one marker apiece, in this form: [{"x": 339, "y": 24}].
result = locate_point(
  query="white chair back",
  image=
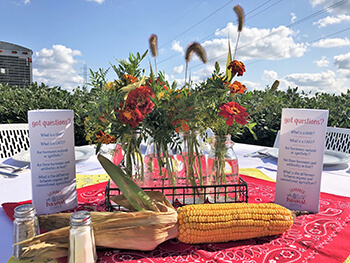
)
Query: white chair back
[
  {"x": 14, "y": 138},
  {"x": 337, "y": 139}
]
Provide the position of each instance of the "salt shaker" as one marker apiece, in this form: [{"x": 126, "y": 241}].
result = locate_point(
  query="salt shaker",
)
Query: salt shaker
[
  {"x": 81, "y": 239},
  {"x": 25, "y": 226}
]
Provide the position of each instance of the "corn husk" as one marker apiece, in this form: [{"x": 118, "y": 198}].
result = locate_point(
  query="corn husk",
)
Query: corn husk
[
  {"x": 59, "y": 220},
  {"x": 154, "y": 223},
  {"x": 143, "y": 230}
]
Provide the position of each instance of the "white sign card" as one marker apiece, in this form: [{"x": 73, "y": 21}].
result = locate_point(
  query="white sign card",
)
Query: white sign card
[
  {"x": 52, "y": 160},
  {"x": 300, "y": 158}
]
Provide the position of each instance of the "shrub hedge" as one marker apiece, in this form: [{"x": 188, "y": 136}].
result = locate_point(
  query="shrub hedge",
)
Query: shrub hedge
[{"x": 16, "y": 101}]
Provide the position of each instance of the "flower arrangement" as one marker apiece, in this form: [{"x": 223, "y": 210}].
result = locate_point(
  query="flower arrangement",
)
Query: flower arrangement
[
  {"x": 219, "y": 103},
  {"x": 118, "y": 111},
  {"x": 134, "y": 108}
]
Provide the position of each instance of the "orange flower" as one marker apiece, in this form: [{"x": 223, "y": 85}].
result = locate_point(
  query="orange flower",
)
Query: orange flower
[
  {"x": 237, "y": 87},
  {"x": 180, "y": 125},
  {"x": 236, "y": 67},
  {"x": 233, "y": 111},
  {"x": 130, "y": 79},
  {"x": 104, "y": 138}
]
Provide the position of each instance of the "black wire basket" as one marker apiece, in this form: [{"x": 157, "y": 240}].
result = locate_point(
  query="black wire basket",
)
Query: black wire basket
[{"x": 185, "y": 195}]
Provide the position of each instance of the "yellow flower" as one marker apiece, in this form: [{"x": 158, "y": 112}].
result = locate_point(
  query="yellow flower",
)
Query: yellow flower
[
  {"x": 110, "y": 85},
  {"x": 161, "y": 95}
]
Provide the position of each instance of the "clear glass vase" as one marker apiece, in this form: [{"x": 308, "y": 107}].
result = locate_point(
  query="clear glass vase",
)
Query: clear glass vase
[
  {"x": 129, "y": 157},
  {"x": 192, "y": 167},
  {"x": 222, "y": 167},
  {"x": 159, "y": 165}
]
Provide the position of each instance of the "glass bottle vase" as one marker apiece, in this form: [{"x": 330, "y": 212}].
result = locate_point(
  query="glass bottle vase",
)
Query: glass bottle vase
[
  {"x": 191, "y": 164},
  {"x": 159, "y": 165},
  {"x": 130, "y": 159},
  {"x": 222, "y": 167}
]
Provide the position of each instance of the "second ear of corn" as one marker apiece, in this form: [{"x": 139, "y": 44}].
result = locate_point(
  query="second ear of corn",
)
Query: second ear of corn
[{"x": 211, "y": 223}]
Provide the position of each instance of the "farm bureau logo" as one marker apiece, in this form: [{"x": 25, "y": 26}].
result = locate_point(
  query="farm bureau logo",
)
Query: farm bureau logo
[
  {"x": 55, "y": 199},
  {"x": 296, "y": 196}
]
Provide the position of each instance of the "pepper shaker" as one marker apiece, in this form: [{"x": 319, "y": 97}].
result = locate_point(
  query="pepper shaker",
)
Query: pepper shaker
[
  {"x": 25, "y": 226},
  {"x": 82, "y": 247}
]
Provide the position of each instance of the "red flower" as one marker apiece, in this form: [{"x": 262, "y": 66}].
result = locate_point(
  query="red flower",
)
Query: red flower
[
  {"x": 130, "y": 115},
  {"x": 233, "y": 110},
  {"x": 237, "y": 87},
  {"x": 104, "y": 138},
  {"x": 180, "y": 125},
  {"x": 137, "y": 105},
  {"x": 236, "y": 67},
  {"x": 140, "y": 98}
]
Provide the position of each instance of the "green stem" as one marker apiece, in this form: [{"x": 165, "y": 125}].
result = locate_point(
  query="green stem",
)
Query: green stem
[
  {"x": 158, "y": 153},
  {"x": 200, "y": 171}
]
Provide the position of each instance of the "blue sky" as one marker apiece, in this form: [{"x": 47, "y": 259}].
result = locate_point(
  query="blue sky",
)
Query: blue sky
[{"x": 302, "y": 43}]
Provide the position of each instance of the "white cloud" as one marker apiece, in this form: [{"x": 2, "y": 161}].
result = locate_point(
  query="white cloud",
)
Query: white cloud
[
  {"x": 335, "y": 6},
  {"x": 55, "y": 67},
  {"x": 176, "y": 46},
  {"x": 178, "y": 70},
  {"x": 26, "y": 2},
  {"x": 330, "y": 20},
  {"x": 323, "y": 62},
  {"x": 269, "y": 76},
  {"x": 250, "y": 85},
  {"x": 97, "y": 1},
  {"x": 316, "y": 82},
  {"x": 342, "y": 61},
  {"x": 312, "y": 79},
  {"x": 274, "y": 44},
  {"x": 332, "y": 42},
  {"x": 255, "y": 43},
  {"x": 294, "y": 17},
  {"x": 343, "y": 64}
]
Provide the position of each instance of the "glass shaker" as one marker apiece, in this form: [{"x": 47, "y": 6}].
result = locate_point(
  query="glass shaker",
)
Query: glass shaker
[
  {"x": 25, "y": 226},
  {"x": 82, "y": 247}
]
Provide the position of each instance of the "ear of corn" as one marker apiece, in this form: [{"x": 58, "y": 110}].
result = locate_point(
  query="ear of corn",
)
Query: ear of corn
[{"x": 210, "y": 223}]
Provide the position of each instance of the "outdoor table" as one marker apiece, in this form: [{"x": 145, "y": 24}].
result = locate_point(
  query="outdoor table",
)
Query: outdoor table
[{"x": 313, "y": 238}]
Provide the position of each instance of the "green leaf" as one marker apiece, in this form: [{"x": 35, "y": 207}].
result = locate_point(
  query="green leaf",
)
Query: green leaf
[
  {"x": 132, "y": 192},
  {"x": 151, "y": 72},
  {"x": 228, "y": 74}
]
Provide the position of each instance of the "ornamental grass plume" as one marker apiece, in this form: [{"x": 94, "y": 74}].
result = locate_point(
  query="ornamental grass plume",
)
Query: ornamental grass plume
[
  {"x": 196, "y": 48},
  {"x": 240, "y": 17},
  {"x": 153, "y": 46}
]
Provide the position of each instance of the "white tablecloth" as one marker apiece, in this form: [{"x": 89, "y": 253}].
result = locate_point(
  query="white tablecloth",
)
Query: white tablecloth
[{"x": 335, "y": 180}]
